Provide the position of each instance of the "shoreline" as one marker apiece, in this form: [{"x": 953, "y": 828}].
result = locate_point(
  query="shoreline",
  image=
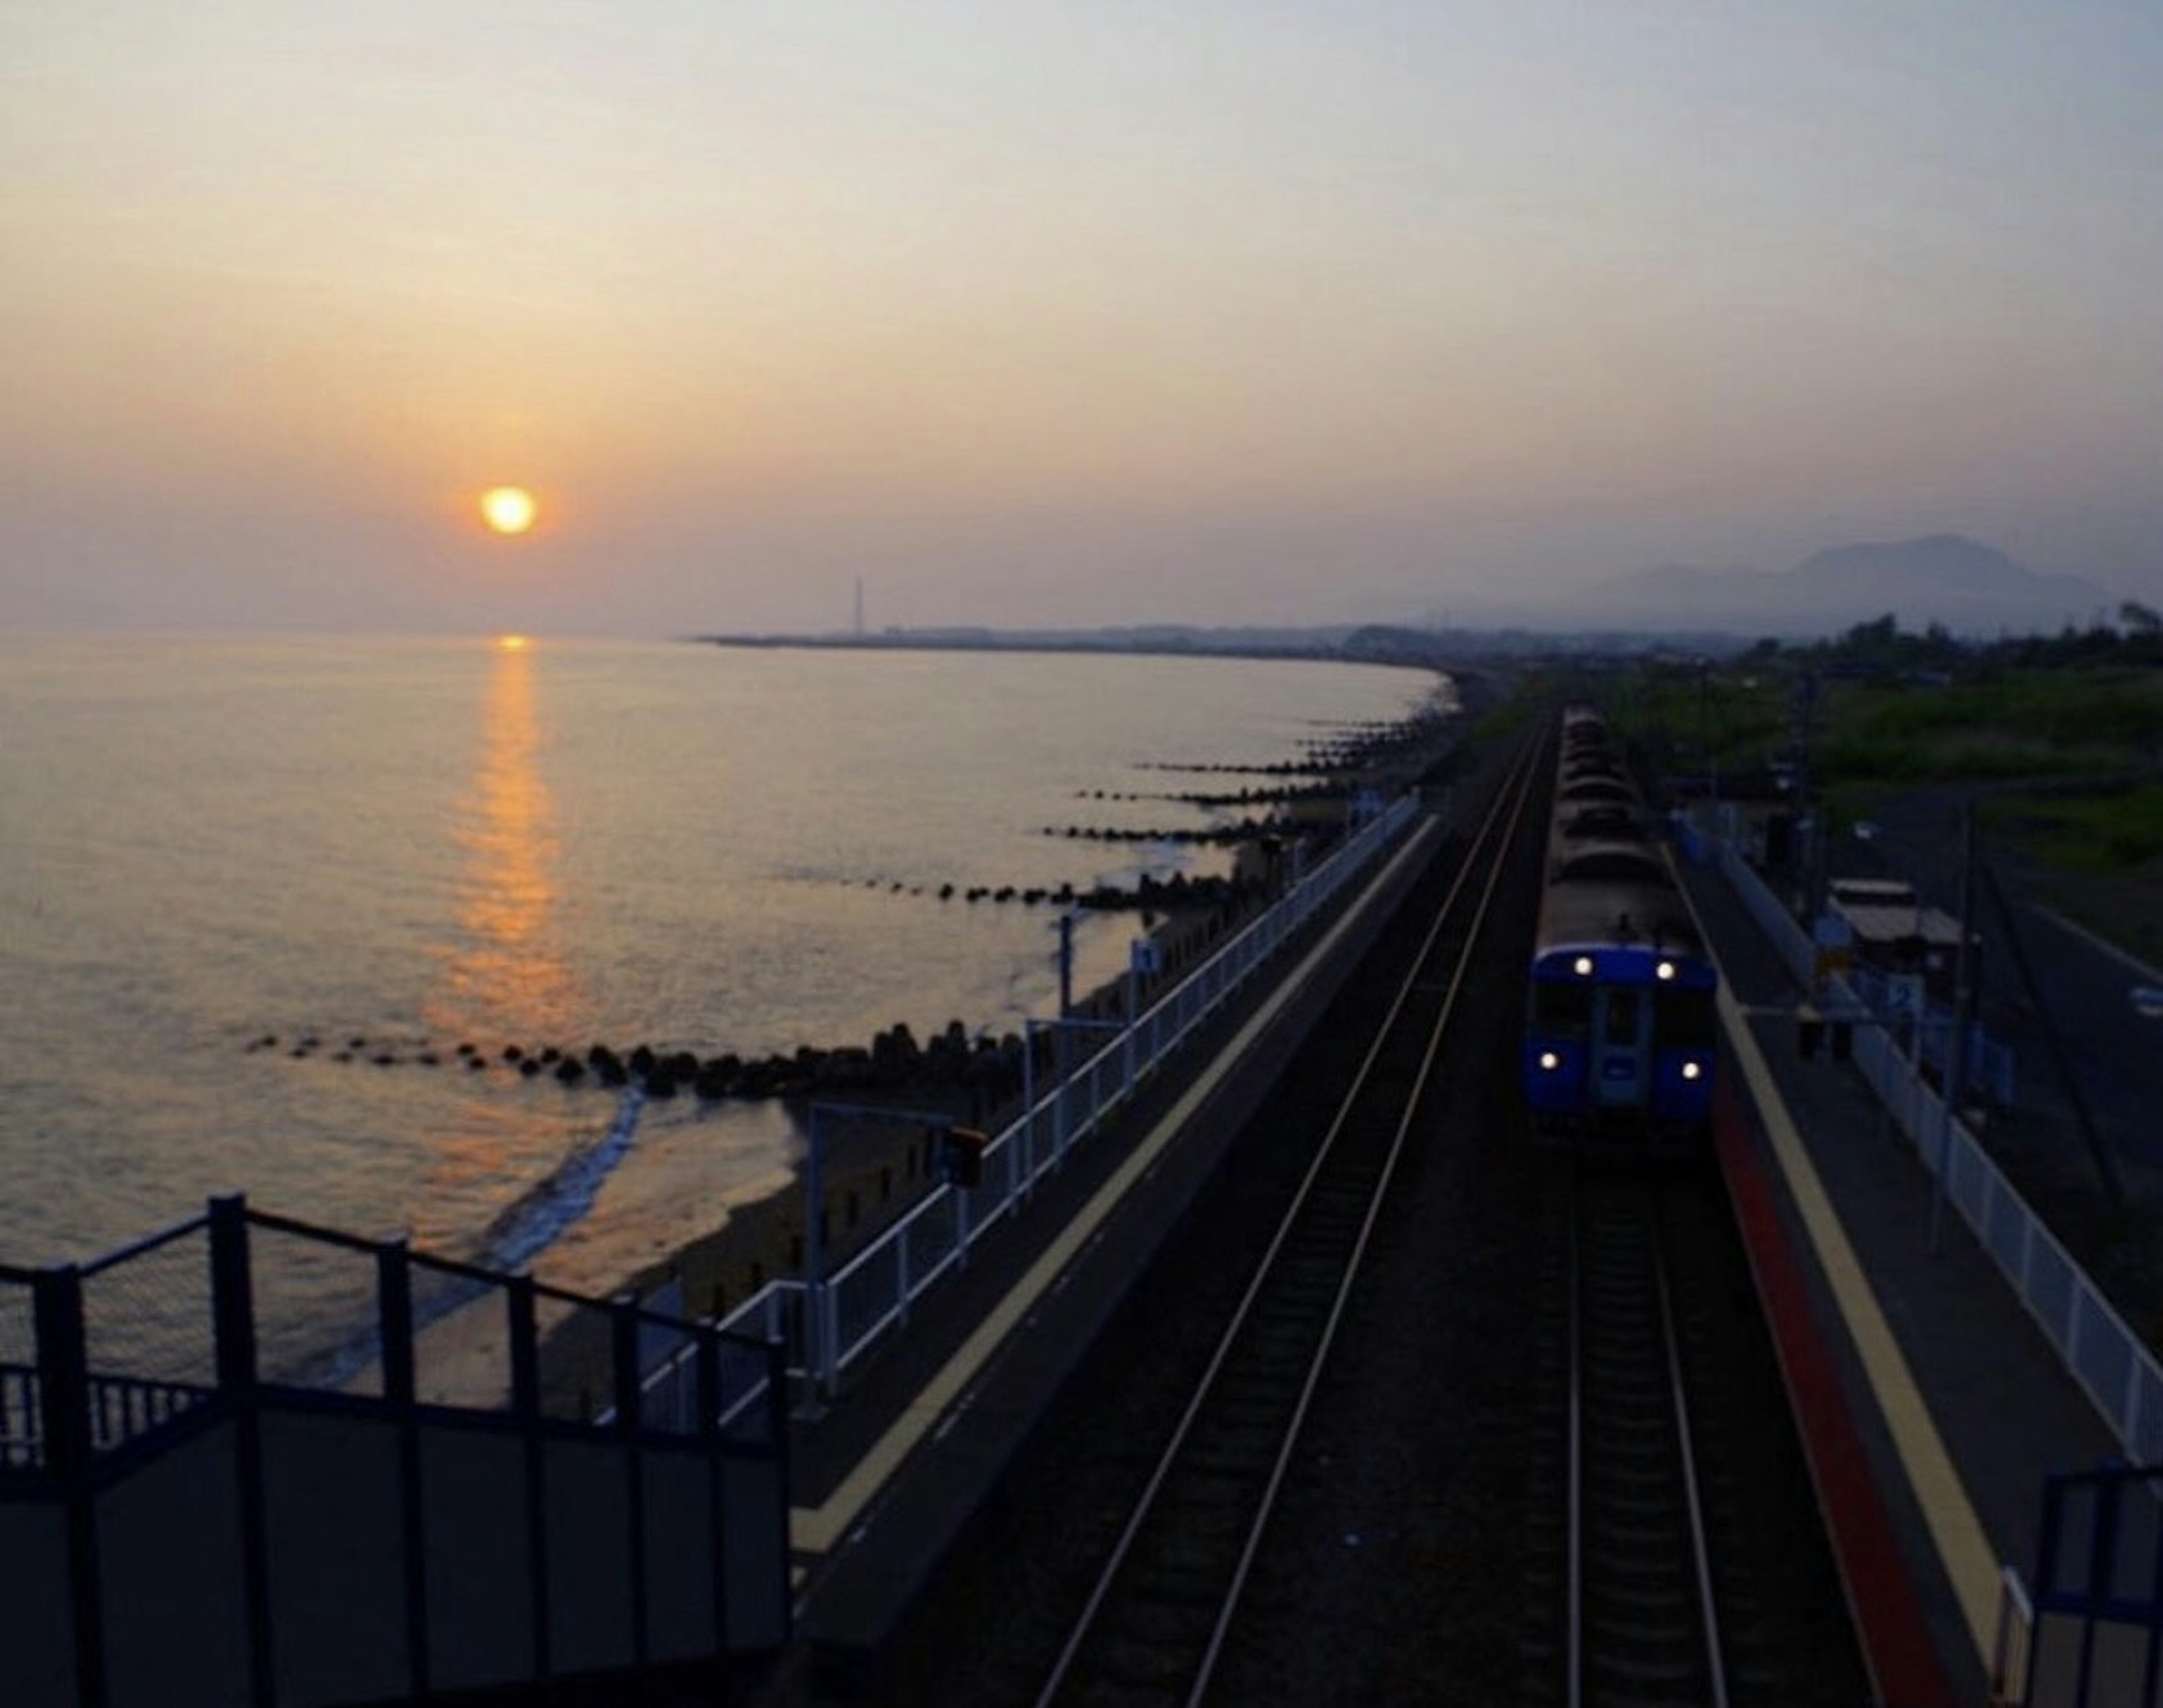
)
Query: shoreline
[{"x": 875, "y": 1173}]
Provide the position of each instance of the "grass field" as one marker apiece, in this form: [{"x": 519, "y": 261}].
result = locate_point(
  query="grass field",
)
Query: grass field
[{"x": 2068, "y": 761}]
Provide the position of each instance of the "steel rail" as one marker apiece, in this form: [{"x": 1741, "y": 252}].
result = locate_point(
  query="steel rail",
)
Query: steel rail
[
  {"x": 1700, "y": 1550},
  {"x": 1573, "y": 1632},
  {"x": 1647, "y": 1287},
  {"x": 1485, "y": 857}
]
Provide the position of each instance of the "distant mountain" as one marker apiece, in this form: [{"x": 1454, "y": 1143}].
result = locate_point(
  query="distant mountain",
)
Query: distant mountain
[{"x": 1971, "y": 588}]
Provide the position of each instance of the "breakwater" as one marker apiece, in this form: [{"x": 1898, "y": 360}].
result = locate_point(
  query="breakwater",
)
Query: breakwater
[{"x": 421, "y": 844}]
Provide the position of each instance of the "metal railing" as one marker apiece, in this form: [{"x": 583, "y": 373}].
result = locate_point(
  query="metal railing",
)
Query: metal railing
[
  {"x": 1986, "y": 1063},
  {"x": 135, "y": 1340},
  {"x": 871, "y": 1294},
  {"x": 148, "y": 1333},
  {"x": 2093, "y": 1622},
  {"x": 2014, "y": 1644},
  {"x": 22, "y": 1437},
  {"x": 368, "y": 1412},
  {"x": 123, "y": 1407},
  {"x": 2110, "y": 1362},
  {"x": 22, "y": 1442}
]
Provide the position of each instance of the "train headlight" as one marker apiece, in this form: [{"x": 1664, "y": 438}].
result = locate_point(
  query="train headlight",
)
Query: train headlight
[
  {"x": 1549, "y": 1062},
  {"x": 1693, "y": 1070},
  {"x": 1666, "y": 969},
  {"x": 1583, "y": 966}
]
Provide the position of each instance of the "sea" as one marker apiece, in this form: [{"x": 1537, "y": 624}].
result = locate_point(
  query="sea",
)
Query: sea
[{"x": 227, "y": 863}]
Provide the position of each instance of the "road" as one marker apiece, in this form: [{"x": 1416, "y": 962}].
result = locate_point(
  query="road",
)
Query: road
[{"x": 2113, "y": 1051}]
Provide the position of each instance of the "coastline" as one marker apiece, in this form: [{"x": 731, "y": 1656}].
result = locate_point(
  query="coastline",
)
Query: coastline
[
  {"x": 876, "y": 1173},
  {"x": 877, "y": 1170}
]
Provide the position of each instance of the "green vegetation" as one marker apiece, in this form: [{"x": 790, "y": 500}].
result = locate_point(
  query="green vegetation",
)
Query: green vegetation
[
  {"x": 1876, "y": 712},
  {"x": 2054, "y": 726},
  {"x": 1503, "y": 717},
  {"x": 2059, "y": 719},
  {"x": 1695, "y": 717},
  {"x": 2106, "y": 830}
]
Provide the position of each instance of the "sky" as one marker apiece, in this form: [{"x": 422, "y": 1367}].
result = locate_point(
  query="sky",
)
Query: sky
[{"x": 1060, "y": 314}]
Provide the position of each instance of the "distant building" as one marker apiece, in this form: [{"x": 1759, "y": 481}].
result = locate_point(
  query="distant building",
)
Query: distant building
[{"x": 1895, "y": 932}]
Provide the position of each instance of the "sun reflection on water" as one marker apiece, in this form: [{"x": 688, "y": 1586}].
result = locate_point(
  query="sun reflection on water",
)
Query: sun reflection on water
[
  {"x": 506, "y": 973},
  {"x": 505, "y": 979}
]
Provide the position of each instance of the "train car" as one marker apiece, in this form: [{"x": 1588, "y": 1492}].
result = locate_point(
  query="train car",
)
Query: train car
[{"x": 1621, "y": 1033}]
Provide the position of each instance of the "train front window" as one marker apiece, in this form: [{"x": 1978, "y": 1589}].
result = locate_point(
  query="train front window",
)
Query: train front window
[
  {"x": 1562, "y": 1007},
  {"x": 1622, "y": 1016},
  {"x": 1688, "y": 1019}
]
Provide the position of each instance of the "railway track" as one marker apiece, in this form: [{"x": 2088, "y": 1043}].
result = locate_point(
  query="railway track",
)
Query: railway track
[
  {"x": 1644, "y": 1620},
  {"x": 1658, "y": 1477},
  {"x": 1155, "y": 1624}
]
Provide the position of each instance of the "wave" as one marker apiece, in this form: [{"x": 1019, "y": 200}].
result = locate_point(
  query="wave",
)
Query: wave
[
  {"x": 538, "y": 1218},
  {"x": 334, "y": 1352}
]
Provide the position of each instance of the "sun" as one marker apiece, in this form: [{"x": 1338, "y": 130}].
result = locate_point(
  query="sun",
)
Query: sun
[{"x": 508, "y": 510}]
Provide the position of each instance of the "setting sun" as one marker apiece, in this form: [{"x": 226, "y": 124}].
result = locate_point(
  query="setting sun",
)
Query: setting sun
[{"x": 508, "y": 510}]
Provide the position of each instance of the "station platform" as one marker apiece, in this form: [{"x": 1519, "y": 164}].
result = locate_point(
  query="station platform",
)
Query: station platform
[
  {"x": 885, "y": 1479},
  {"x": 1931, "y": 1406}
]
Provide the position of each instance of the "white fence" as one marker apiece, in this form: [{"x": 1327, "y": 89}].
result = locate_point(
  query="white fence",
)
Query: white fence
[
  {"x": 2104, "y": 1356},
  {"x": 827, "y": 1326},
  {"x": 1986, "y": 1062}
]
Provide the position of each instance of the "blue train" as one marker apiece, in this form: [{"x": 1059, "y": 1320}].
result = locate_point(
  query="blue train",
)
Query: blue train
[{"x": 1621, "y": 1033}]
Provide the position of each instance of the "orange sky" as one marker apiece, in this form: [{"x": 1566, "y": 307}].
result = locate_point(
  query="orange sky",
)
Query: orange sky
[{"x": 1066, "y": 314}]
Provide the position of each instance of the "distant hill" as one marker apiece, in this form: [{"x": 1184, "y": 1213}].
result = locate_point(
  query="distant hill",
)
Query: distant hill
[{"x": 1971, "y": 588}]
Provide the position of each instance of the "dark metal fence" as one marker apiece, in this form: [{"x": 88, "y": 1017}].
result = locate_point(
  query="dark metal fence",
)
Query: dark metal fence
[
  {"x": 242, "y": 1347},
  {"x": 21, "y": 1440},
  {"x": 2098, "y": 1603}
]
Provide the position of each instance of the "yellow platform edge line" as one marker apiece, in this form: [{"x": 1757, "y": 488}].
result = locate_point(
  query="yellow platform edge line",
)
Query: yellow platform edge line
[
  {"x": 816, "y": 1530},
  {"x": 1971, "y": 1564}
]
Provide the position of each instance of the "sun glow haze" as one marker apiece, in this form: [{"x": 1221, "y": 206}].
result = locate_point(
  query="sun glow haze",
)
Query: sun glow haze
[
  {"x": 507, "y": 510},
  {"x": 1347, "y": 314}
]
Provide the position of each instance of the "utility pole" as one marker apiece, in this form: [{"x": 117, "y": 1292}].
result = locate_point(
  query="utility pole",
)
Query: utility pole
[
  {"x": 1066, "y": 964},
  {"x": 1704, "y": 746},
  {"x": 1964, "y": 981},
  {"x": 1806, "y": 694},
  {"x": 2098, "y": 1152}
]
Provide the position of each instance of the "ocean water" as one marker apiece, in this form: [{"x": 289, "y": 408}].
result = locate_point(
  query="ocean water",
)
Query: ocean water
[{"x": 419, "y": 843}]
